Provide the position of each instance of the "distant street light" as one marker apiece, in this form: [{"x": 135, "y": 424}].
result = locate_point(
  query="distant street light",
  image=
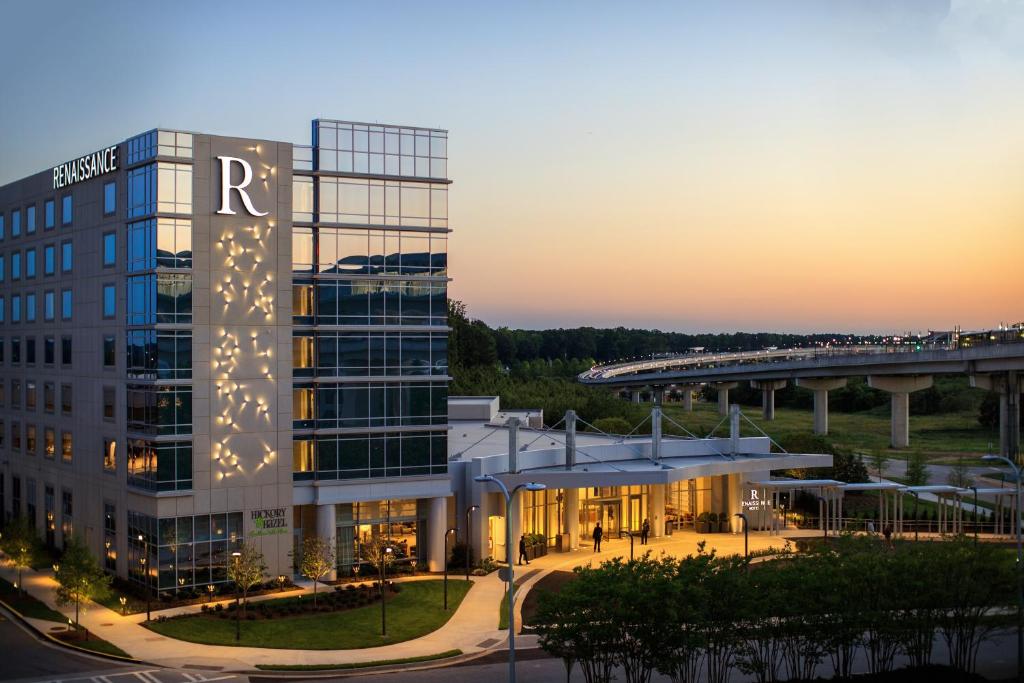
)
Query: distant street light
[{"x": 746, "y": 534}]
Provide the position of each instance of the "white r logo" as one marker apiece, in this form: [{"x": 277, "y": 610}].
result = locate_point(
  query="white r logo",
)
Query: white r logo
[
  {"x": 753, "y": 494},
  {"x": 226, "y": 187}
]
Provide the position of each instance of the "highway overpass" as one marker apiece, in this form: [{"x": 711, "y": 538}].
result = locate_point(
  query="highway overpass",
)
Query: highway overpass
[{"x": 999, "y": 367}]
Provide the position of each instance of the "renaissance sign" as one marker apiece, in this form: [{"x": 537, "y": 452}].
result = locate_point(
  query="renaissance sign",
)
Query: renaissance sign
[
  {"x": 226, "y": 186},
  {"x": 754, "y": 502},
  {"x": 269, "y": 522},
  {"x": 85, "y": 168}
]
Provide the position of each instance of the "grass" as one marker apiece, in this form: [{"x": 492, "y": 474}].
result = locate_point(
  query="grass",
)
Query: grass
[
  {"x": 413, "y": 612},
  {"x": 359, "y": 665},
  {"x": 943, "y": 437},
  {"x": 93, "y": 643},
  {"x": 28, "y": 606},
  {"x": 503, "y": 610}
]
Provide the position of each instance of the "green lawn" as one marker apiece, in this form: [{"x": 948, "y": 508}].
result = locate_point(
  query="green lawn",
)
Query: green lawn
[
  {"x": 28, "y": 606},
  {"x": 415, "y": 611},
  {"x": 938, "y": 436},
  {"x": 94, "y": 643}
]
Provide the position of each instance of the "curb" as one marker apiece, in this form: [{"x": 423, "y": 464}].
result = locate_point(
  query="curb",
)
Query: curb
[
  {"x": 56, "y": 641},
  {"x": 271, "y": 674}
]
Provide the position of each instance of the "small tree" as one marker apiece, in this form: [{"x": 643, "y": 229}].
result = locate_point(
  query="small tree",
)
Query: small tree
[
  {"x": 20, "y": 543},
  {"x": 246, "y": 570},
  {"x": 80, "y": 577},
  {"x": 917, "y": 470},
  {"x": 317, "y": 560},
  {"x": 877, "y": 460},
  {"x": 960, "y": 475}
]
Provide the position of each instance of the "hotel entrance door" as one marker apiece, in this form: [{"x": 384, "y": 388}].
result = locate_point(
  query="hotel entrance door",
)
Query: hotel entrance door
[{"x": 608, "y": 512}]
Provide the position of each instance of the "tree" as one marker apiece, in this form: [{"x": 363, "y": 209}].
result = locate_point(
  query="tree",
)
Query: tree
[
  {"x": 877, "y": 460},
  {"x": 20, "y": 544},
  {"x": 317, "y": 560},
  {"x": 246, "y": 570},
  {"x": 612, "y": 425},
  {"x": 960, "y": 475},
  {"x": 917, "y": 470},
  {"x": 80, "y": 577}
]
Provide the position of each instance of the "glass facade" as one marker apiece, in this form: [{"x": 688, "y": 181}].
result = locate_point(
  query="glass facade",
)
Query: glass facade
[
  {"x": 160, "y": 466},
  {"x": 182, "y": 552}
]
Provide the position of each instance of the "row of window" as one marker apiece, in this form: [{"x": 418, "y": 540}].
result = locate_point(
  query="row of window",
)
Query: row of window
[
  {"x": 49, "y": 511},
  {"x": 49, "y": 261},
  {"x": 369, "y": 302},
  {"x": 352, "y": 251},
  {"x": 359, "y": 148},
  {"x": 49, "y": 350},
  {"x": 49, "y": 214},
  {"x": 24, "y": 306},
  {"x": 165, "y": 143},
  {"x": 328, "y": 354},
  {"x": 363, "y": 201},
  {"x": 25, "y": 393},
  {"x": 342, "y": 457},
  {"x": 363, "y": 405},
  {"x": 30, "y": 444}
]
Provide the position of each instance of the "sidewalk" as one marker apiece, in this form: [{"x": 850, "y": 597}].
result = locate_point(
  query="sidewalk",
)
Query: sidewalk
[{"x": 472, "y": 629}]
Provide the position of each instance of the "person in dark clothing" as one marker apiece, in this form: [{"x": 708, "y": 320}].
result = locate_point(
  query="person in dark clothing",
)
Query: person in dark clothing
[
  {"x": 887, "y": 533},
  {"x": 598, "y": 535},
  {"x": 645, "y": 531},
  {"x": 522, "y": 550}
]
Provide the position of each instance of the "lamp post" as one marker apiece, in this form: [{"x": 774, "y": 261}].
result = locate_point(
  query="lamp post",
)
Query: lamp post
[
  {"x": 124, "y": 605},
  {"x": 237, "y": 556},
  {"x": 630, "y": 534},
  {"x": 469, "y": 542},
  {"x": 446, "y": 535},
  {"x": 145, "y": 573},
  {"x": 382, "y": 561},
  {"x": 509, "y": 495},
  {"x": 21, "y": 583},
  {"x": 746, "y": 534},
  {"x": 1020, "y": 586}
]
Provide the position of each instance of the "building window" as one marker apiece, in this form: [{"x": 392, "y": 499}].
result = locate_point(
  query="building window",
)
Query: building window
[
  {"x": 109, "y": 398},
  {"x": 66, "y": 257},
  {"x": 66, "y": 453},
  {"x": 30, "y": 439},
  {"x": 16, "y": 393},
  {"x": 379, "y": 202},
  {"x": 380, "y": 150},
  {"x": 3, "y": 269},
  {"x": 16, "y": 265},
  {"x": 65, "y": 399},
  {"x": 49, "y": 259},
  {"x": 48, "y": 305},
  {"x": 49, "y": 217},
  {"x": 159, "y": 242},
  {"x": 67, "y": 210},
  {"x": 110, "y": 536},
  {"x": 49, "y": 347},
  {"x": 49, "y": 443},
  {"x": 159, "y": 298},
  {"x": 3, "y": 394},
  {"x": 30, "y": 350},
  {"x": 2, "y": 226},
  {"x": 67, "y": 525},
  {"x": 16, "y": 223},
  {"x": 109, "y": 301},
  {"x": 66, "y": 307},
  {"x": 109, "y": 351},
  {"x": 30, "y": 263},
  {"x": 16, "y": 350},
  {"x": 109, "y": 455},
  {"x": 303, "y": 259},
  {"x": 49, "y": 397},
  {"x": 302, "y": 198},
  {"x": 30, "y": 308},
  {"x": 16, "y": 308},
  {"x": 161, "y": 187},
  {"x": 373, "y": 252},
  {"x": 16, "y": 436},
  {"x": 3, "y": 309},
  {"x": 303, "y": 460},
  {"x": 303, "y": 356},
  {"x": 30, "y": 395},
  {"x": 200, "y": 548},
  {"x": 159, "y": 410},
  {"x": 65, "y": 351},
  {"x": 166, "y": 143},
  {"x": 109, "y": 198},
  {"x": 109, "y": 249},
  {"x": 160, "y": 466},
  {"x": 49, "y": 500},
  {"x": 159, "y": 355},
  {"x": 30, "y": 219}
]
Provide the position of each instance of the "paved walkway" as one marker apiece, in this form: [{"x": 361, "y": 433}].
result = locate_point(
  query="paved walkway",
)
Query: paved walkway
[{"x": 473, "y": 628}]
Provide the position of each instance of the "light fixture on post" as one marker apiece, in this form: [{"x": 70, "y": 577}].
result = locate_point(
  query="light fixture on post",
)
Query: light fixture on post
[
  {"x": 509, "y": 495},
  {"x": 446, "y": 535},
  {"x": 236, "y": 557},
  {"x": 469, "y": 543}
]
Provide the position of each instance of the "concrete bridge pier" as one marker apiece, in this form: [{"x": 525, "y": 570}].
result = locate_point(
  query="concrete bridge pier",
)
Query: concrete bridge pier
[
  {"x": 768, "y": 388},
  {"x": 1009, "y": 386},
  {"x": 821, "y": 386},
  {"x": 636, "y": 396},
  {"x": 723, "y": 396},
  {"x": 900, "y": 387},
  {"x": 687, "y": 391}
]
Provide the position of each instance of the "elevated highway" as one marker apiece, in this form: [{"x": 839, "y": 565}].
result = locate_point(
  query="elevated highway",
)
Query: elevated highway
[{"x": 997, "y": 367}]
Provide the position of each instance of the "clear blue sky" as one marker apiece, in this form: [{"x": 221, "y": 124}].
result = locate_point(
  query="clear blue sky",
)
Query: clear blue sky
[{"x": 704, "y": 165}]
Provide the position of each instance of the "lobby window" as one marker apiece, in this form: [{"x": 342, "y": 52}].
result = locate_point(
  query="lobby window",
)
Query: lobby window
[
  {"x": 49, "y": 259},
  {"x": 48, "y": 305},
  {"x": 109, "y": 351},
  {"x": 16, "y": 223},
  {"x": 159, "y": 355},
  {"x": 49, "y": 397},
  {"x": 49, "y": 349},
  {"x": 160, "y": 466},
  {"x": 66, "y": 447},
  {"x": 30, "y": 219},
  {"x": 159, "y": 410},
  {"x": 66, "y": 304},
  {"x": 30, "y": 263},
  {"x": 16, "y": 265},
  {"x": 49, "y": 443},
  {"x": 109, "y": 198},
  {"x": 109, "y": 249},
  {"x": 66, "y": 256},
  {"x": 65, "y": 351},
  {"x": 30, "y": 395},
  {"x": 67, "y": 210},
  {"x": 109, "y": 455},
  {"x": 109, "y": 300},
  {"x": 302, "y": 198},
  {"x": 109, "y": 399},
  {"x": 65, "y": 399},
  {"x": 30, "y": 307},
  {"x": 159, "y": 298},
  {"x": 49, "y": 214},
  {"x": 159, "y": 242}
]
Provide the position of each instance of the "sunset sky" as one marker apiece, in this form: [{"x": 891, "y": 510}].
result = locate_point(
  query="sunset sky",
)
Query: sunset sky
[{"x": 699, "y": 166}]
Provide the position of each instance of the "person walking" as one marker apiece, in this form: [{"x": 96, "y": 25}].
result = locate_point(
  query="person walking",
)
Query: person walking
[
  {"x": 522, "y": 550},
  {"x": 645, "y": 531},
  {"x": 887, "y": 533},
  {"x": 598, "y": 535}
]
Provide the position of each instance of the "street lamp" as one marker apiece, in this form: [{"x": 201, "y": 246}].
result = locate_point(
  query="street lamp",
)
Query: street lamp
[
  {"x": 1020, "y": 566},
  {"x": 530, "y": 486},
  {"x": 446, "y": 535},
  {"x": 469, "y": 542},
  {"x": 382, "y": 560},
  {"x": 124, "y": 605},
  {"x": 237, "y": 557},
  {"x": 746, "y": 534},
  {"x": 145, "y": 574}
]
